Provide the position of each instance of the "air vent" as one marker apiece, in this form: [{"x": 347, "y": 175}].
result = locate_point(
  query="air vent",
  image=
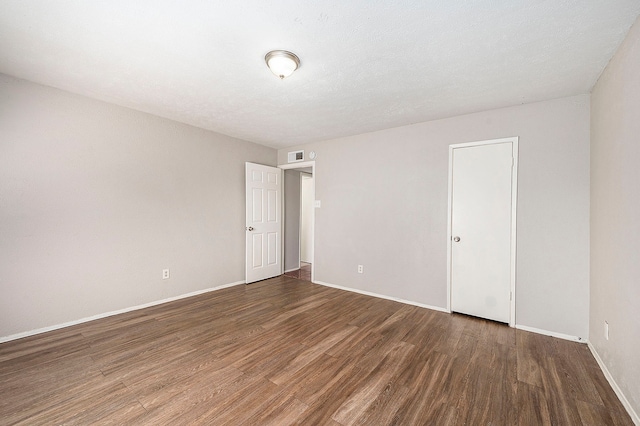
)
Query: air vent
[{"x": 295, "y": 156}]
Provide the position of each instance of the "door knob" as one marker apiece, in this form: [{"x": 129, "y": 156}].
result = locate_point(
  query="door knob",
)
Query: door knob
[
  {"x": 456, "y": 239},
  {"x": 250, "y": 228}
]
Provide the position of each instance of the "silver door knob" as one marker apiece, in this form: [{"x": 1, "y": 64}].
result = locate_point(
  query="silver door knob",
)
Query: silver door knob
[
  {"x": 456, "y": 239},
  {"x": 250, "y": 228}
]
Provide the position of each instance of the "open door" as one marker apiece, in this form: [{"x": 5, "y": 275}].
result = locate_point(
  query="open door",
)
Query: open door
[{"x": 263, "y": 222}]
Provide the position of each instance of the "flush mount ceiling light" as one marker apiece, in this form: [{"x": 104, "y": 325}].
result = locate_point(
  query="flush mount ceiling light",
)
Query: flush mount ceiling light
[{"x": 282, "y": 63}]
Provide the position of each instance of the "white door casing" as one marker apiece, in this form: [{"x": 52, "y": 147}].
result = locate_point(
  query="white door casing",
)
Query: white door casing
[
  {"x": 481, "y": 246},
  {"x": 312, "y": 165},
  {"x": 263, "y": 222},
  {"x": 306, "y": 211}
]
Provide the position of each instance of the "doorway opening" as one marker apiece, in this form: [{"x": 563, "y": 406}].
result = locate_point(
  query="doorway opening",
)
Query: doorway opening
[{"x": 299, "y": 219}]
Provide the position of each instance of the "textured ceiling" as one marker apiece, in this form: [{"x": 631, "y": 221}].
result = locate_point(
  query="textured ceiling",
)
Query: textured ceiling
[{"x": 366, "y": 64}]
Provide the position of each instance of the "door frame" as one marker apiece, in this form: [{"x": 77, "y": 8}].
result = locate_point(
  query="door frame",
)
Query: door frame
[
  {"x": 304, "y": 165},
  {"x": 514, "y": 202},
  {"x": 302, "y": 178}
]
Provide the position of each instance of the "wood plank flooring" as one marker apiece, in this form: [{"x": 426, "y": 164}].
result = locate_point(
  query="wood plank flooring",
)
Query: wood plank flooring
[
  {"x": 304, "y": 273},
  {"x": 285, "y": 351}
]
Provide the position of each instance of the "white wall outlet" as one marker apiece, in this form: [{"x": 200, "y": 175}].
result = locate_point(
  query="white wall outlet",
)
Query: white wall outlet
[
  {"x": 317, "y": 204},
  {"x": 360, "y": 269},
  {"x": 165, "y": 274},
  {"x": 606, "y": 330}
]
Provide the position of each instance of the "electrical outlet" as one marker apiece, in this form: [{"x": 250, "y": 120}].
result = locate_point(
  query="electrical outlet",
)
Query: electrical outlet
[
  {"x": 165, "y": 274},
  {"x": 606, "y": 330},
  {"x": 360, "y": 269}
]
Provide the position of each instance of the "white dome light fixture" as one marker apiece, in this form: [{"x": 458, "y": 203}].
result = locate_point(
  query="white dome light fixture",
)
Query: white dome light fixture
[{"x": 282, "y": 63}]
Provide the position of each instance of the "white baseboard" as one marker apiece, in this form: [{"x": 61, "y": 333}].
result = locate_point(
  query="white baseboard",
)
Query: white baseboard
[
  {"x": 291, "y": 270},
  {"x": 109, "y": 314},
  {"x": 614, "y": 385},
  {"x": 551, "y": 333},
  {"x": 382, "y": 296}
]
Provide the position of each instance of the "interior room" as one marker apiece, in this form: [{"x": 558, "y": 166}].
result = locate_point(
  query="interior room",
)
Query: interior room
[{"x": 127, "y": 132}]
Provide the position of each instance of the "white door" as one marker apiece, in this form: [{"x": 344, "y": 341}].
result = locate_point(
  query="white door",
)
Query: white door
[
  {"x": 264, "y": 222},
  {"x": 482, "y": 238}
]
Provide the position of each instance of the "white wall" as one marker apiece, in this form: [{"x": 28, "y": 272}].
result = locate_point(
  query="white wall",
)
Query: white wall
[
  {"x": 615, "y": 217},
  {"x": 384, "y": 205},
  {"x": 95, "y": 200},
  {"x": 291, "y": 219}
]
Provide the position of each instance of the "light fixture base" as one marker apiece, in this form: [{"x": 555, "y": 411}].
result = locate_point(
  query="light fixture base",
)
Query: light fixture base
[{"x": 282, "y": 62}]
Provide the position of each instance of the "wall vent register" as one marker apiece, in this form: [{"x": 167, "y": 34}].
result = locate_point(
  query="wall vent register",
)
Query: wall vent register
[{"x": 295, "y": 156}]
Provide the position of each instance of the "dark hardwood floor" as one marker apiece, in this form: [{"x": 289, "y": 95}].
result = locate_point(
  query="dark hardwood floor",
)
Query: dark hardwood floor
[
  {"x": 304, "y": 273},
  {"x": 285, "y": 351}
]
